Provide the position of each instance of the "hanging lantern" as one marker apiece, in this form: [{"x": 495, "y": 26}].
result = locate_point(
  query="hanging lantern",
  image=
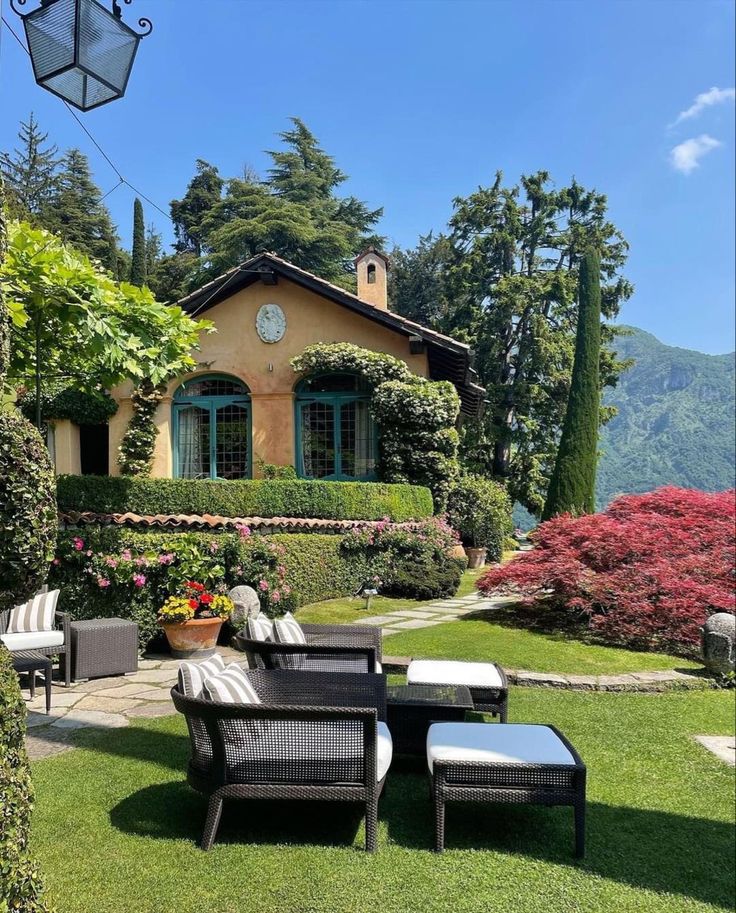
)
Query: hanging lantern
[{"x": 80, "y": 50}]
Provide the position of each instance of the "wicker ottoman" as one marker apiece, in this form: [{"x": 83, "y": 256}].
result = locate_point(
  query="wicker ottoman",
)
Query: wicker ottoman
[
  {"x": 486, "y": 681},
  {"x": 518, "y": 763},
  {"x": 102, "y": 647}
]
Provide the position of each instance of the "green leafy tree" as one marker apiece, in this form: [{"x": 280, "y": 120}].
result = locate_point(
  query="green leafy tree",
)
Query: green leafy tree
[
  {"x": 30, "y": 171},
  {"x": 74, "y": 211},
  {"x": 511, "y": 289},
  {"x": 72, "y": 320},
  {"x": 187, "y": 214},
  {"x": 417, "y": 280},
  {"x": 572, "y": 484},
  {"x": 138, "y": 254}
]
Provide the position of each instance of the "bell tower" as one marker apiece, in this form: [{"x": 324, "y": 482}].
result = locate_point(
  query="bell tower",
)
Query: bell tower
[{"x": 372, "y": 270}]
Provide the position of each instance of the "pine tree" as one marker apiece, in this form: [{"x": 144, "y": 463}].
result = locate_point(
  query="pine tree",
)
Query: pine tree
[
  {"x": 202, "y": 194},
  {"x": 74, "y": 211},
  {"x": 572, "y": 485},
  {"x": 138, "y": 255},
  {"x": 30, "y": 171}
]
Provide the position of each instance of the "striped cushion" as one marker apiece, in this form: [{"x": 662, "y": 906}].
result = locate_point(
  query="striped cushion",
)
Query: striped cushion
[
  {"x": 260, "y": 628},
  {"x": 288, "y": 630},
  {"x": 192, "y": 675},
  {"x": 230, "y": 687},
  {"x": 35, "y": 615}
]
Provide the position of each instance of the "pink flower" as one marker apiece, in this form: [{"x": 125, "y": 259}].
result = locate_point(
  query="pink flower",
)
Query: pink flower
[
  {"x": 89, "y": 553},
  {"x": 214, "y": 548},
  {"x": 126, "y": 555},
  {"x": 286, "y": 589},
  {"x": 103, "y": 582},
  {"x": 78, "y": 543},
  {"x": 166, "y": 559},
  {"x": 111, "y": 562},
  {"x": 275, "y": 596},
  {"x": 281, "y": 569},
  {"x": 243, "y": 530},
  {"x": 139, "y": 580},
  {"x": 140, "y": 562},
  {"x": 56, "y": 562},
  {"x": 263, "y": 585}
]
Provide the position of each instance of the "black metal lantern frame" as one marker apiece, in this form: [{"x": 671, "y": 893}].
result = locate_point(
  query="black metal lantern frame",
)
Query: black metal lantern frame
[{"x": 80, "y": 50}]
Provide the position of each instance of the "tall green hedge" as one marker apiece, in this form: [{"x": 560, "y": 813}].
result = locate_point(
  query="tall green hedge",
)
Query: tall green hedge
[
  {"x": 20, "y": 881},
  {"x": 252, "y": 498}
]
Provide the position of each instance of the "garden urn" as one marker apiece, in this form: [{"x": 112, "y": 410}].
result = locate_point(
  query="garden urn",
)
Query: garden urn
[
  {"x": 195, "y": 638},
  {"x": 476, "y": 557}
]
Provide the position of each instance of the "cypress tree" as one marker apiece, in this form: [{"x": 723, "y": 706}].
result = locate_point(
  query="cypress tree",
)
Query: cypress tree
[
  {"x": 572, "y": 486},
  {"x": 138, "y": 257}
]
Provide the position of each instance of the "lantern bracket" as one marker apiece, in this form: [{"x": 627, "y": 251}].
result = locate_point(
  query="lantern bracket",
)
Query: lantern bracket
[{"x": 117, "y": 10}]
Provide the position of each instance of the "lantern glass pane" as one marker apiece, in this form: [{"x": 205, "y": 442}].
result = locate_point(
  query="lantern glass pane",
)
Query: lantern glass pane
[
  {"x": 106, "y": 45},
  {"x": 50, "y": 34},
  {"x": 80, "y": 89}
]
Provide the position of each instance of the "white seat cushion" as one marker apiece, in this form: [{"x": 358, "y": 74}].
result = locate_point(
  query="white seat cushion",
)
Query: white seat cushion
[
  {"x": 288, "y": 630},
  {"x": 33, "y": 640},
  {"x": 501, "y": 743},
  {"x": 192, "y": 675},
  {"x": 379, "y": 668},
  {"x": 35, "y": 615},
  {"x": 231, "y": 686},
  {"x": 384, "y": 751},
  {"x": 449, "y": 672},
  {"x": 260, "y": 628}
]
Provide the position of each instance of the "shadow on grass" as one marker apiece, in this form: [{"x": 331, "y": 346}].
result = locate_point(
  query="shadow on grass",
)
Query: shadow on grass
[{"x": 649, "y": 849}]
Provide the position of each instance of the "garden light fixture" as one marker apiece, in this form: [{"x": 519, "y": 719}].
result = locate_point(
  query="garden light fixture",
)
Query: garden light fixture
[{"x": 80, "y": 50}]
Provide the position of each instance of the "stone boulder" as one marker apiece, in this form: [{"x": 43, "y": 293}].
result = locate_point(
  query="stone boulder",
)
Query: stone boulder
[
  {"x": 247, "y": 604},
  {"x": 719, "y": 643}
]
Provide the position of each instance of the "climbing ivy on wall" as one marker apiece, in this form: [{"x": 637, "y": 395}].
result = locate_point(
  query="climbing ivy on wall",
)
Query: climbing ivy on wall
[
  {"x": 135, "y": 453},
  {"x": 416, "y": 417}
]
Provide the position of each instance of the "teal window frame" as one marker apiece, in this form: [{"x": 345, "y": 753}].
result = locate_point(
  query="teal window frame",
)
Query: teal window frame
[
  {"x": 210, "y": 404},
  {"x": 336, "y": 400}
]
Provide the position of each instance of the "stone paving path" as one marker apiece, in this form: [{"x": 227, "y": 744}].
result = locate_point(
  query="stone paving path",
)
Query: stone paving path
[{"x": 433, "y": 613}]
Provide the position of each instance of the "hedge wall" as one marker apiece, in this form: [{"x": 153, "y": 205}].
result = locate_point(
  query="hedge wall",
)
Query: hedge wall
[
  {"x": 316, "y": 568},
  {"x": 252, "y": 498},
  {"x": 20, "y": 881}
]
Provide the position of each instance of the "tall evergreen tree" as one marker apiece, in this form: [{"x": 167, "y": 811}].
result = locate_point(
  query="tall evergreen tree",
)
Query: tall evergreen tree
[
  {"x": 30, "y": 171},
  {"x": 572, "y": 484},
  {"x": 138, "y": 253},
  {"x": 153, "y": 250},
  {"x": 74, "y": 211},
  {"x": 417, "y": 280},
  {"x": 187, "y": 214}
]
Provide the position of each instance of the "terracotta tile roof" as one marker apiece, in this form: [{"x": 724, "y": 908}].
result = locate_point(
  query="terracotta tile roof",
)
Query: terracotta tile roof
[{"x": 211, "y": 522}]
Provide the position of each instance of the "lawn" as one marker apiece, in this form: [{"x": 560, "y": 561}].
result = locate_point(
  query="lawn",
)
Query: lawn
[
  {"x": 115, "y": 828},
  {"x": 514, "y": 637}
]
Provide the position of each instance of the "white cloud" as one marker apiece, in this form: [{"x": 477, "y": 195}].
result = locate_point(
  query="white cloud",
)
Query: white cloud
[
  {"x": 713, "y": 96},
  {"x": 686, "y": 156}
]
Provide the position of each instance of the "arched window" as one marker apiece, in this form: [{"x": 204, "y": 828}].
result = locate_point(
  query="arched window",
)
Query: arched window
[
  {"x": 371, "y": 273},
  {"x": 211, "y": 429},
  {"x": 335, "y": 434}
]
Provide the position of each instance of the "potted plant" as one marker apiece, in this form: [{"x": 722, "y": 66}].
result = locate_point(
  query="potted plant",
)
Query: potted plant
[
  {"x": 192, "y": 620},
  {"x": 480, "y": 510}
]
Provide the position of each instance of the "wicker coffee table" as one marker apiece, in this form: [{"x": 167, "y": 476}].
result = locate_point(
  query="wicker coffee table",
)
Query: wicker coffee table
[
  {"x": 411, "y": 709},
  {"x": 31, "y": 661},
  {"x": 102, "y": 647}
]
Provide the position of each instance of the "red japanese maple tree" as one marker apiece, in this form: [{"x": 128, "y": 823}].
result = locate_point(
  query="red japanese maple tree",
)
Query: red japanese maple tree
[{"x": 647, "y": 571}]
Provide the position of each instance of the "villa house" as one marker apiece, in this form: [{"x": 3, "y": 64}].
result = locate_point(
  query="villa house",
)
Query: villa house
[{"x": 244, "y": 404}]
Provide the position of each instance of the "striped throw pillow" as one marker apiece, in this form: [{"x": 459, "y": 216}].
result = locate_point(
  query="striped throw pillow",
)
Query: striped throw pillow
[
  {"x": 192, "y": 676},
  {"x": 230, "y": 687},
  {"x": 288, "y": 630},
  {"x": 260, "y": 628},
  {"x": 35, "y": 615}
]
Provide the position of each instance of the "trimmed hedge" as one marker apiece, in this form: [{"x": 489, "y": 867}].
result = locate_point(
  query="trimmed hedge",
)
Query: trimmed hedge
[
  {"x": 317, "y": 567},
  {"x": 20, "y": 880},
  {"x": 251, "y": 498}
]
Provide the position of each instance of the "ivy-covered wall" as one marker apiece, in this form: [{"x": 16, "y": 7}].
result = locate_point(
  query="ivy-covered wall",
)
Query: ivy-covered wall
[{"x": 416, "y": 417}]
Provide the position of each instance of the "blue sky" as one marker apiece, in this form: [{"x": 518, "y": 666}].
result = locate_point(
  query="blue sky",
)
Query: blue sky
[{"x": 423, "y": 101}]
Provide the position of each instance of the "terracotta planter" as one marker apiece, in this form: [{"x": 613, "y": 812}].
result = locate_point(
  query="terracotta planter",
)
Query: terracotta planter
[
  {"x": 193, "y": 639},
  {"x": 457, "y": 551},
  {"x": 476, "y": 557}
]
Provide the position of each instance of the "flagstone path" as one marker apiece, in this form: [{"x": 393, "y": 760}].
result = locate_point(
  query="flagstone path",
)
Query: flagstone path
[{"x": 433, "y": 613}]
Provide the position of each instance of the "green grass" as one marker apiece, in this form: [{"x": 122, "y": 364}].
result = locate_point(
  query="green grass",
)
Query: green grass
[
  {"x": 516, "y": 648},
  {"x": 115, "y": 828}
]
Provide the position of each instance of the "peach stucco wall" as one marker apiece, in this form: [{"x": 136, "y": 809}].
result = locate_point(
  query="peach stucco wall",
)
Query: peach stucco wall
[{"x": 236, "y": 349}]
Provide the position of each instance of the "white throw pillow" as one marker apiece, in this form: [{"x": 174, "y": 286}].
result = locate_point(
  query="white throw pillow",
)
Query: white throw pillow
[
  {"x": 260, "y": 628},
  {"x": 230, "y": 686},
  {"x": 35, "y": 615},
  {"x": 288, "y": 630},
  {"x": 192, "y": 676}
]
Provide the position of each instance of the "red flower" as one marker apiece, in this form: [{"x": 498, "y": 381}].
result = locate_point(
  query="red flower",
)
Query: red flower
[
  {"x": 206, "y": 598},
  {"x": 194, "y": 604},
  {"x": 193, "y": 585}
]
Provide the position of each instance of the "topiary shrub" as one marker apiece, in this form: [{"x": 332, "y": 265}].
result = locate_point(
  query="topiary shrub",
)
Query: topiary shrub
[
  {"x": 28, "y": 520},
  {"x": 480, "y": 510},
  {"x": 427, "y": 581},
  {"x": 647, "y": 572},
  {"x": 249, "y": 498},
  {"x": 20, "y": 881},
  {"x": 135, "y": 453}
]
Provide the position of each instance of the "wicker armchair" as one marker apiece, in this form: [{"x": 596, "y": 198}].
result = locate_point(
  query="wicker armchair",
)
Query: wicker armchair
[
  {"x": 62, "y": 621},
  {"x": 314, "y": 737},
  {"x": 329, "y": 648}
]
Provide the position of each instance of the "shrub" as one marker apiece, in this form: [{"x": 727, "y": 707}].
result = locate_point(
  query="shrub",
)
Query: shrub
[
  {"x": 27, "y": 509},
  {"x": 480, "y": 510},
  {"x": 274, "y": 471},
  {"x": 251, "y": 498},
  {"x": 647, "y": 572},
  {"x": 427, "y": 581},
  {"x": 20, "y": 880},
  {"x": 135, "y": 453}
]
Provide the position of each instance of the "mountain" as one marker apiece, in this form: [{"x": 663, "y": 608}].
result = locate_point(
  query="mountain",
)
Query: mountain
[{"x": 675, "y": 422}]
